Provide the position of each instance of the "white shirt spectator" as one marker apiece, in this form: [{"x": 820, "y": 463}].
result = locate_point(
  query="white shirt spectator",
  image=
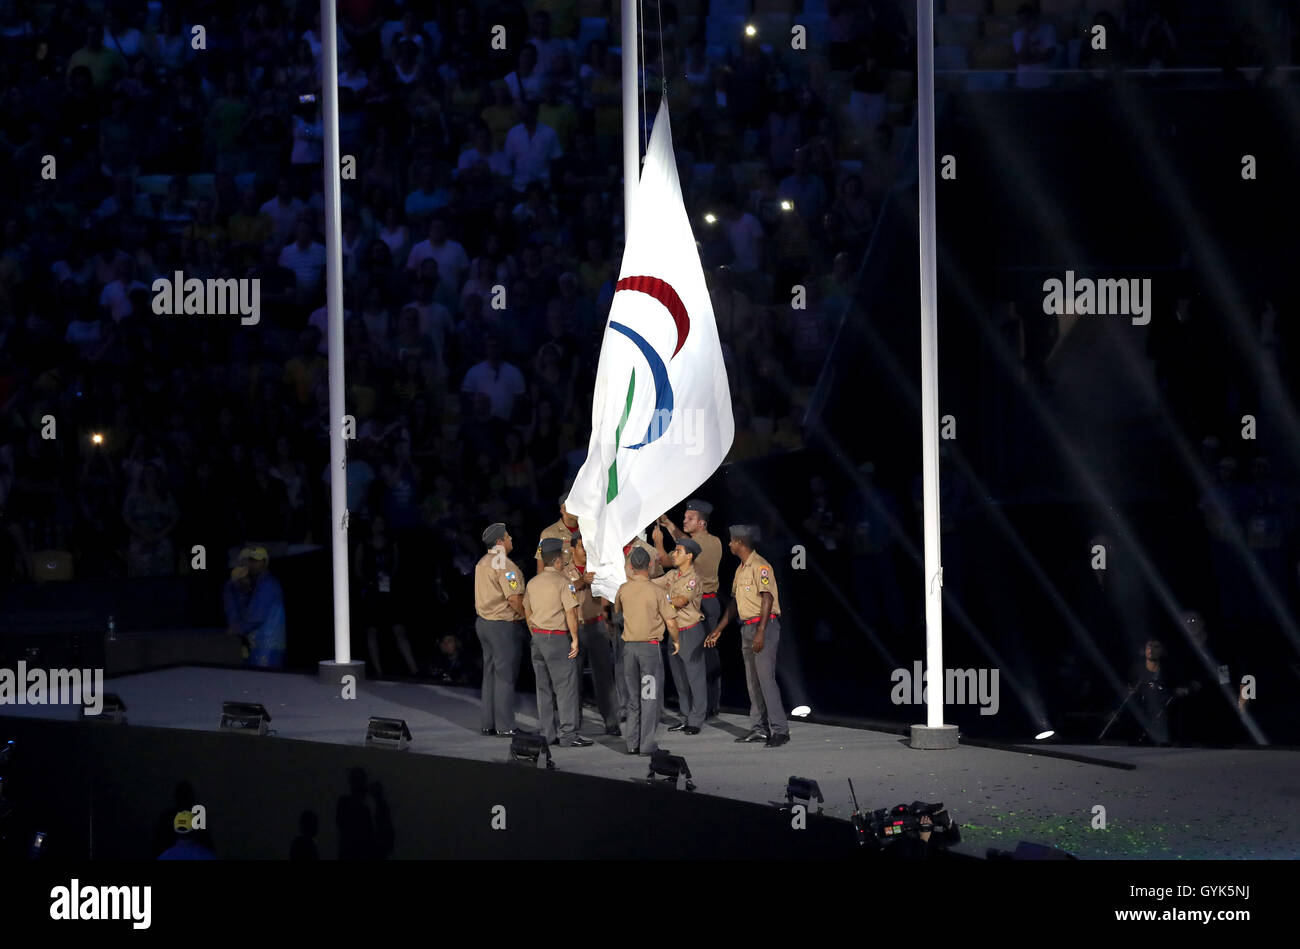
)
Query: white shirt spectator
[
  {"x": 285, "y": 216},
  {"x": 308, "y": 265},
  {"x": 531, "y": 155},
  {"x": 530, "y": 87},
  {"x": 116, "y": 295},
  {"x": 501, "y": 385},
  {"x": 1041, "y": 40},
  {"x": 745, "y": 233},
  {"x": 497, "y": 162},
  {"x": 451, "y": 257}
]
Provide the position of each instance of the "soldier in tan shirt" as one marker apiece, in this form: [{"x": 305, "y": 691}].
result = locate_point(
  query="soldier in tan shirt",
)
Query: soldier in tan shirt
[
  {"x": 646, "y": 615},
  {"x": 695, "y": 525},
  {"x": 594, "y": 645},
  {"x": 758, "y": 605},
  {"x": 684, "y": 590},
  {"x": 499, "y": 603},
  {"x": 564, "y": 530},
  {"x": 551, "y": 611},
  {"x": 655, "y": 571}
]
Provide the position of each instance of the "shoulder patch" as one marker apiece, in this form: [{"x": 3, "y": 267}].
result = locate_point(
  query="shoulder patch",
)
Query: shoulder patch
[
  {"x": 510, "y": 574},
  {"x": 572, "y": 589},
  {"x": 690, "y": 584}
]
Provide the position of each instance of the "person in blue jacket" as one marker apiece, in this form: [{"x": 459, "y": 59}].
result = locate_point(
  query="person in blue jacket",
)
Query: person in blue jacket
[{"x": 262, "y": 618}]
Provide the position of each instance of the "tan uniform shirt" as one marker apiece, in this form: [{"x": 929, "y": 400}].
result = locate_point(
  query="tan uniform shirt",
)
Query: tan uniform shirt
[
  {"x": 710, "y": 558},
  {"x": 656, "y": 568},
  {"x": 646, "y": 610},
  {"x": 547, "y": 597},
  {"x": 588, "y": 606},
  {"x": 560, "y": 532},
  {"x": 493, "y": 587},
  {"x": 754, "y": 577},
  {"x": 675, "y": 583}
]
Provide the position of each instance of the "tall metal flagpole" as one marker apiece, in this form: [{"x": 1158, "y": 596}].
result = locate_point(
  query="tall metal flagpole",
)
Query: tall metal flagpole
[
  {"x": 631, "y": 116},
  {"x": 934, "y": 734},
  {"x": 342, "y": 664}
]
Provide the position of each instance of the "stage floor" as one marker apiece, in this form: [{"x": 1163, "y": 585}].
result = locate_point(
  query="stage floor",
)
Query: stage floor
[{"x": 1173, "y": 803}]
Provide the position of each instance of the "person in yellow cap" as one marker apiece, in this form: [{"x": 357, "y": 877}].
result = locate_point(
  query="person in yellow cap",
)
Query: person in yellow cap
[
  {"x": 187, "y": 845},
  {"x": 234, "y": 599},
  {"x": 260, "y": 617}
]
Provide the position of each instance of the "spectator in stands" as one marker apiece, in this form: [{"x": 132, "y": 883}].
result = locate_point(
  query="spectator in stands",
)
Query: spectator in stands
[
  {"x": 150, "y": 515},
  {"x": 1035, "y": 46},
  {"x": 531, "y": 146},
  {"x": 263, "y": 618}
]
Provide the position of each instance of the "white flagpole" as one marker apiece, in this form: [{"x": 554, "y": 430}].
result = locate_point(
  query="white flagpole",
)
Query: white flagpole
[
  {"x": 334, "y": 305},
  {"x": 934, "y": 734},
  {"x": 631, "y": 115}
]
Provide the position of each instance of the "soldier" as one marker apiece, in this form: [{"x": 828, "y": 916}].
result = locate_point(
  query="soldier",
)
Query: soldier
[
  {"x": 620, "y": 685},
  {"x": 551, "y": 611},
  {"x": 499, "y": 602},
  {"x": 695, "y": 525},
  {"x": 646, "y": 613},
  {"x": 594, "y": 644},
  {"x": 684, "y": 589},
  {"x": 756, "y": 602},
  {"x": 563, "y": 530}
]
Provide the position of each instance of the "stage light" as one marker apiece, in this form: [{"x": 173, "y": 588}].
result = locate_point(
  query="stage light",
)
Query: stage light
[
  {"x": 112, "y": 711},
  {"x": 1045, "y": 734},
  {"x": 751, "y": 30},
  {"x": 787, "y": 205},
  {"x": 671, "y": 767},
  {"x": 97, "y": 439},
  {"x": 800, "y": 711},
  {"x": 388, "y": 733},
  {"x": 803, "y": 789},
  {"x": 528, "y": 749},
  {"x": 710, "y": 219},
  {"x": 247, "y": 717}
]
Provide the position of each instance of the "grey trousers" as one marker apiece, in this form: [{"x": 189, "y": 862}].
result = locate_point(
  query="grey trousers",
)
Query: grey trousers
[
  {"x": 620, "y": 682},
  {"x": 557, "y": 686},
  {"x": 766, "y": 710},
  {"x": 688, "y": 674},
  {"x": 712, "y": 608},
  {"x": 641, "y": 660},
  {"x": 594, "y": 648},
  {"x": 502, "y": 643}
]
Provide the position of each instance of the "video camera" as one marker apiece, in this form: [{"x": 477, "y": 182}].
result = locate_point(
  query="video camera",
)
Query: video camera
[{"x": 880, "y": 828}]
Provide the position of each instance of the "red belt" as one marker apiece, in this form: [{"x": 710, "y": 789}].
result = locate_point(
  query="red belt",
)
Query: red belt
[
  {"x": 751, "y": 622},
  {"x": 683, "y": 629},
  {"x": 552, "y": 632},
  {"x": 705, "y": 596},
  {"x": 646, "y": 642}
]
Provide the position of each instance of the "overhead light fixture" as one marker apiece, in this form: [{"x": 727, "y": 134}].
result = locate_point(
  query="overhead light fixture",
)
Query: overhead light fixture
[
  {"x": 671, "y": 767},
  {"x": 247, "y": 717},
  {"x": 787, "y": 205},
  {"x": 388, "y": 733},
  {"x": 527, "y": 748},
  {"x": 710, "y": 218},
  {"x": 751, "y": 30},
  {"x": 800, "y": 711}
]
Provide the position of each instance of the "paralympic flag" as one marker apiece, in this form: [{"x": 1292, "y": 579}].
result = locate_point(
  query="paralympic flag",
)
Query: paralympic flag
[{"x": 661, "y": 411}]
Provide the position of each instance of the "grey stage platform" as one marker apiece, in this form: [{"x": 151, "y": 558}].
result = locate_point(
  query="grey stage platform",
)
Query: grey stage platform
[{"x": 1175, "y": 803}]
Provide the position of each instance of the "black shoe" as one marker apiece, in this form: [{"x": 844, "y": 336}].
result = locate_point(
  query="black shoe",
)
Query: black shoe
[
  {"x": 690, "y": 730},
  {"x": 489, "y": 731},
  {"x": 711, "y": 713},
  {"x": 632, "y": 751},
  {"x": 755, "y": 735},
  {"x": 579, "y": 742},
  {"x": 776, "y": 741},
  {"x": 506, "y": 734},
  {"x": 679, "y": 727},
  {"x": 613, "y": 730}
]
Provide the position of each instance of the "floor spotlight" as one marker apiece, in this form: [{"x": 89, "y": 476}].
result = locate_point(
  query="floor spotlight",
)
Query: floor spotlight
[
  {"x": 803, "y": 789},
  {"x": 669, "y": 766},
  {"x": 388, "y": 733},
  {"x": 528, "y": 749},
  {"x": 249, "y": 717},
  {"x": 1045, "y": 735},
  {"x": 800, "y": 711}
]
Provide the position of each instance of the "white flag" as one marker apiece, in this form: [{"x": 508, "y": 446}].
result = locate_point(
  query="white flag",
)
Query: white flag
[{"x": 661, "y": 411}]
